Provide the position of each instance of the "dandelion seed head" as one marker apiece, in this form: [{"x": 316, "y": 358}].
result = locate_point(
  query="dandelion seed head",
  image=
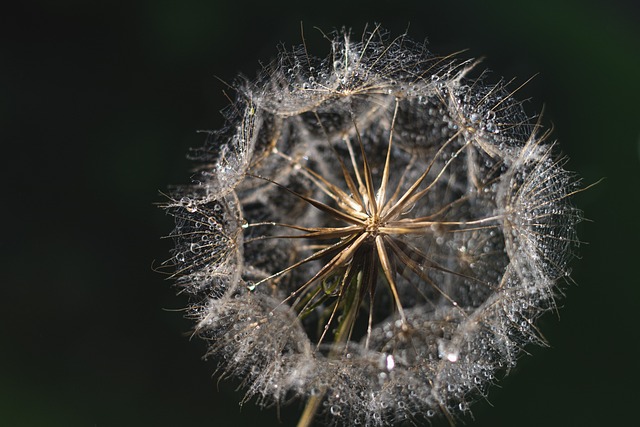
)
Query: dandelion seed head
[{"x": 375, "y": 231}]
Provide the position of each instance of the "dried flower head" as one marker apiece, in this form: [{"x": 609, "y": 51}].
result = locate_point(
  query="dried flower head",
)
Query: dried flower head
[{"x": 374, "y": 231}]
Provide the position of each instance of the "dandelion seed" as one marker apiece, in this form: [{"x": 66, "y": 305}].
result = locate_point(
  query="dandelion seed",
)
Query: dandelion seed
[{"x": 376, "y": 232}]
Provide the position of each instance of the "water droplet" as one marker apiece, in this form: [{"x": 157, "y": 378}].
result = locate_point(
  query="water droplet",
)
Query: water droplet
[
  {"x": 446, "y": 350},
  {"x": 391, "y": 363}
]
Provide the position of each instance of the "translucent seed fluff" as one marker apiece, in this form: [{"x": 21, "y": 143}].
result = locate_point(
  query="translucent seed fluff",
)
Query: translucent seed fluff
[{"x": 374, "y": 232}]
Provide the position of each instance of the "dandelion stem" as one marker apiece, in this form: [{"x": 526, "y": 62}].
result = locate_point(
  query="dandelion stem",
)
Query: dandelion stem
[
  {"x": 341, "y": 336},
  {"x": 310, "y": 410}
]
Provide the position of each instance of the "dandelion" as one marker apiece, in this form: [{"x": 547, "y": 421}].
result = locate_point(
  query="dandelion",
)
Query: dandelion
[{"x": 375, "y": 232}]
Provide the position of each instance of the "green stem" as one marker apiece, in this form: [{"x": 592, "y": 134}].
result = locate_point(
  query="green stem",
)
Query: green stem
[{"x": 341, "y": 336}]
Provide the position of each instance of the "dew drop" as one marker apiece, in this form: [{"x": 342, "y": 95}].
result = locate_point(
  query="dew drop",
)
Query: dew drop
[
  {"x": 391, "y": 363},
  {"x": 446, "y": 351}
]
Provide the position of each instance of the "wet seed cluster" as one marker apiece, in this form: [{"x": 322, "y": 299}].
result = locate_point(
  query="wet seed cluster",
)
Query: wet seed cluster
[{"x": 375, "y": 232}]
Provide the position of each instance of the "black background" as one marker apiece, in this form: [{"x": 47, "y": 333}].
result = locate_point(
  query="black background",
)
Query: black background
[{"x": 99, "y": 102}]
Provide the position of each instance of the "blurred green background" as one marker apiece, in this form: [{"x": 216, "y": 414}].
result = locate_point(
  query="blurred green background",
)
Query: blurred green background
[{"x": 99, "y": 102}]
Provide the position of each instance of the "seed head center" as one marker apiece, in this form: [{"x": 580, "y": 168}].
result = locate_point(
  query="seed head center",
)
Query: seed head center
[{"x": 373, "y": 224}]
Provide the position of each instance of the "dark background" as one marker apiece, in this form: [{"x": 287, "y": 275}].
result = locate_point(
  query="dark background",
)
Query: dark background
[{"x": 99, "y": 102}]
